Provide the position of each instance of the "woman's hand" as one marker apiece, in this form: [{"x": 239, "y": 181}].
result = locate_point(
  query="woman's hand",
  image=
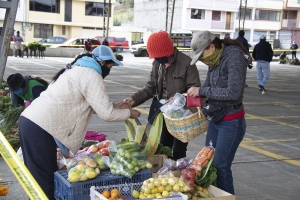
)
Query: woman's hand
[
  {"x": 134, "y": 114},
  {"x": 130, "y": 101},
  {"x": 121, "y": 105},
  {"x": 193, "y": 91}
]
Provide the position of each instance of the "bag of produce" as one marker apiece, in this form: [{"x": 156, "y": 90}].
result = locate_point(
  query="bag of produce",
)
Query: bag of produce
[
  {"x": 202, "y": 158},
  {"x": 127, "y": 163},
  {"x": 84, "y": 169}
]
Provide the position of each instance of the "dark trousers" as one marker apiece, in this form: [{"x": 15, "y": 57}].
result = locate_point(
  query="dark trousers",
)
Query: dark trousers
[
  {"x": 179, "y": 148},
  {"x": 39, "y": 154},
  {"x": 294, "y": 54}
]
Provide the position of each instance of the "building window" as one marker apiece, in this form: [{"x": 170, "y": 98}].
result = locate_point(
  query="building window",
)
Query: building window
[
  {"x": 43, "y": 30},
  {"x": 96, "y": 9},
  {"x": 52, "y": 6},
  {"x": 216, "y": 15},
  {"x": 267, "y": 15},
  {"x": 247, "y": 16},
  {"x": 197, "y": 14},
  {"x": 63, "y": 30},
  {"x": 257, "y": 34}
]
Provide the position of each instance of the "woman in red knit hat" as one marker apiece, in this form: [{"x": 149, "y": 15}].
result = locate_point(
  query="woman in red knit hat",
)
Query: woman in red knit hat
[{"x": 171, "y": 73}]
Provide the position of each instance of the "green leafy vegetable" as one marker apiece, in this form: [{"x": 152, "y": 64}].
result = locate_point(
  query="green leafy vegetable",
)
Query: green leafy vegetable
[
  {"x": 161, "y": 149},
  {"x": 209, "y": 178}
]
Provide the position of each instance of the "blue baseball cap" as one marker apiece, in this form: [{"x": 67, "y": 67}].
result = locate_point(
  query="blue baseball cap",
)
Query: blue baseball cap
[{"x": 103, "y": 52}]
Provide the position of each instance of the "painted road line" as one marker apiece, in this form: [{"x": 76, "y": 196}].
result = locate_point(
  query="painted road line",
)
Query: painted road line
[
  {"x": 122, "y": 84},
  {"x": 268, "y": 141},
  {"x": 274, "y": 121},
  {"x": 29, "y": 184},
  {"x": 36, "y": 63},
  {"x": 270, "y": 154}
]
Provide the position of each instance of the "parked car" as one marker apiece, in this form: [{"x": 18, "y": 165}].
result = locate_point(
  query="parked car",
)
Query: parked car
[
  {"x": 115, "y": 43},
  {"x": 52, "y": 40},
  {"x": 139, "y": 50},
  {"x": 77, "y": 43}
]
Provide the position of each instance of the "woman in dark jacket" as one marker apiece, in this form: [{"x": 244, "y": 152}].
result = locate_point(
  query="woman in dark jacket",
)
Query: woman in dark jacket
[{"x": 224, "y": 88}]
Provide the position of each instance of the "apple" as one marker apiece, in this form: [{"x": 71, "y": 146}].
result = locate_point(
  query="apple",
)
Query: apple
[
  {"x": 106, "y": 144},
  {"x": 100, "y": 145}
]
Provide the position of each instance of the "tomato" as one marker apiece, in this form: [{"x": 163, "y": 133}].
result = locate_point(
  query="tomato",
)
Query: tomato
[{"x": 104, "y": 151}]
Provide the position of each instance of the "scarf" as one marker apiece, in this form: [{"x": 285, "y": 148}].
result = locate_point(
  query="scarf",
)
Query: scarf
[
  {"x": 213, "y": 59},
  {"x": 89, "y": 63}
]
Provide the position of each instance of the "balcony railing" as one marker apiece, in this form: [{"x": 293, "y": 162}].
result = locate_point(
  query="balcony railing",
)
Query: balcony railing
[{"x": 292, "y": 23}]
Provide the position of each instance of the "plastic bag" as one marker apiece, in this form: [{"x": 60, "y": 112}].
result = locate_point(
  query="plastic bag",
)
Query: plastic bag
[
  {"x": 127, "y": 163},
  {"x": 85, "y": 168},
  {"x": 175, "y": 107},
  {"x": 202, "y": 158}
]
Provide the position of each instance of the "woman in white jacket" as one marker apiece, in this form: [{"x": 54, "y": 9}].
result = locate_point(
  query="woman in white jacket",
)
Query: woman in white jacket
[{"x": 64, "y": 110}]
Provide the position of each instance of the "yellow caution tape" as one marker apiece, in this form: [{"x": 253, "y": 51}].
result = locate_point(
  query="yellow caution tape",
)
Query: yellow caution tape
[{"x": 21, "y": 172}]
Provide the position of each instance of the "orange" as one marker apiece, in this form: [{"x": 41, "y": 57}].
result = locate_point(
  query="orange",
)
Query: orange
[
  {"x": 115, "y": 191},
  {"x": 120, "y": 198},
  {"x": 111, "y": 198},
  {"x": 106, "y": 194},
  {"x": 115, "y": 195}
]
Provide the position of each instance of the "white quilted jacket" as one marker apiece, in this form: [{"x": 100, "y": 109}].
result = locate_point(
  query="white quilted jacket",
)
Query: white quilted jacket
[{"x": 65, "y": 108}]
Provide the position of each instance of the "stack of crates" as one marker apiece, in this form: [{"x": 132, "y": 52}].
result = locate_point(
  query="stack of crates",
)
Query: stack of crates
[{"x": 64, "y": 190}]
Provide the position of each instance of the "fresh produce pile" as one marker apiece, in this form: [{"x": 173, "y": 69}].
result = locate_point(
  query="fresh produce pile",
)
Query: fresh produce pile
[
  {"x": 114, "y": 194},
  {"x": 82, "y": 170},
  {"x": 128, "y": 160},
  {"x": 161, "y": 186}
]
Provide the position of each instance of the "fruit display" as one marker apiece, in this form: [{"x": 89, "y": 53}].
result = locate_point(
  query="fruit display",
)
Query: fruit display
[
  {"x": 102, "y": 148},
  {"x": 199, "y": 193},
  {"x": 161, "y": 186},
  {"x": 114, "y": 194},
  {"x": 127, "y": 163},
  {"x": 82, "y": 170}
]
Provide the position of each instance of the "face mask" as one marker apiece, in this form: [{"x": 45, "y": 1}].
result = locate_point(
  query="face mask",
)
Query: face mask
[
  {"x": 213, "y": 59},
  {"x": 19, "y": 91},
  {"x": 162, "y": 60},
  {"x": 105, "y": 71}
]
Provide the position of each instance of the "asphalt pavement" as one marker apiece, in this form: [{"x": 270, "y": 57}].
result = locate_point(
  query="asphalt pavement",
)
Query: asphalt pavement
[{"x": 267, "y": 163}]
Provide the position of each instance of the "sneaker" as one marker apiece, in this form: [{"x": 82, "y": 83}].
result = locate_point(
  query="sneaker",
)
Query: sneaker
[{"x": 261, "y": 88}]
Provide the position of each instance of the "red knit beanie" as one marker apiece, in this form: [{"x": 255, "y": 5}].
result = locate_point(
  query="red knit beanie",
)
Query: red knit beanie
[{"x": 160, "y": 45}]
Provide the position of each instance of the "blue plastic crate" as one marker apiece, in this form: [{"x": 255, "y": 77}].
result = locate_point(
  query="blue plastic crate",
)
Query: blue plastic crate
[{"x": 64, "y": 190}]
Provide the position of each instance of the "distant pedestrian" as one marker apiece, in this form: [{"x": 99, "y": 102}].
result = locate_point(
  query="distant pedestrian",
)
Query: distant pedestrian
[
  {"x": 294, "y": 48},
  {"x": 105, "y": 42},
  {"x": 245, "y": 44},
  {"x": 18, "y": 43},
  {"x": 263, "y": 55},
  {"x": 88, "y": 46},
  {"x": 141, "y": 41}
]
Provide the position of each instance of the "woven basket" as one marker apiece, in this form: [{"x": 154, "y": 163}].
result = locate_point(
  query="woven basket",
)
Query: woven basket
[{"x": 189, "y": 127}]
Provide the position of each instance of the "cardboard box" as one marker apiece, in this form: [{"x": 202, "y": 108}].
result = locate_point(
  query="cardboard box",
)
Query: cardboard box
[
  {"x": 157, "y": 162},
  {"x": 220, "y": 194}
]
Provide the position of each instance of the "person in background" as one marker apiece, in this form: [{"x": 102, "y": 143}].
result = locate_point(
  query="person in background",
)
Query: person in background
[
  {"x": 282, "y": 58},
  {"x": 64, "y": 110},
  {"x": 88, "y": 46},
  {"x": 241, "y": 38},
  {"x": 18, "y": 43},
  {"x": 224, "y": 87},
  {"x": 25, "y": 88},
  {"x": 171, "y": 73},
  {"x": 227, "y": 35},
  {"x": 294, "y": 48},
  {"x": 141, "y": 41},
  {"x": 263, "y": 55},
  {"x": 105, "y": 42}
]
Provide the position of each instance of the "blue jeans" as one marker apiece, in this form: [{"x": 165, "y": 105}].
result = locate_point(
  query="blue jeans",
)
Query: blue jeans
[
  {"x": 263, "y": 72},
  {"x": 225, "y": 137}
]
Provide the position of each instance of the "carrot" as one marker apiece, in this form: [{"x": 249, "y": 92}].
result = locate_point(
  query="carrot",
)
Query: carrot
[
  {"x": 210, "y": 154},
  {"x": 204, "y": 164}
]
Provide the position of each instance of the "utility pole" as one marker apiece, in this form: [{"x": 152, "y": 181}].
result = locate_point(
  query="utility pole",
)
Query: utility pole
[
  {"x": 104, "y": 28},
  {"x": 7, "y": 31},
  {"x": 170, "y": 5},
  {"x": 242, "y": 14},
  {"x": 108, "y": 15}
]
